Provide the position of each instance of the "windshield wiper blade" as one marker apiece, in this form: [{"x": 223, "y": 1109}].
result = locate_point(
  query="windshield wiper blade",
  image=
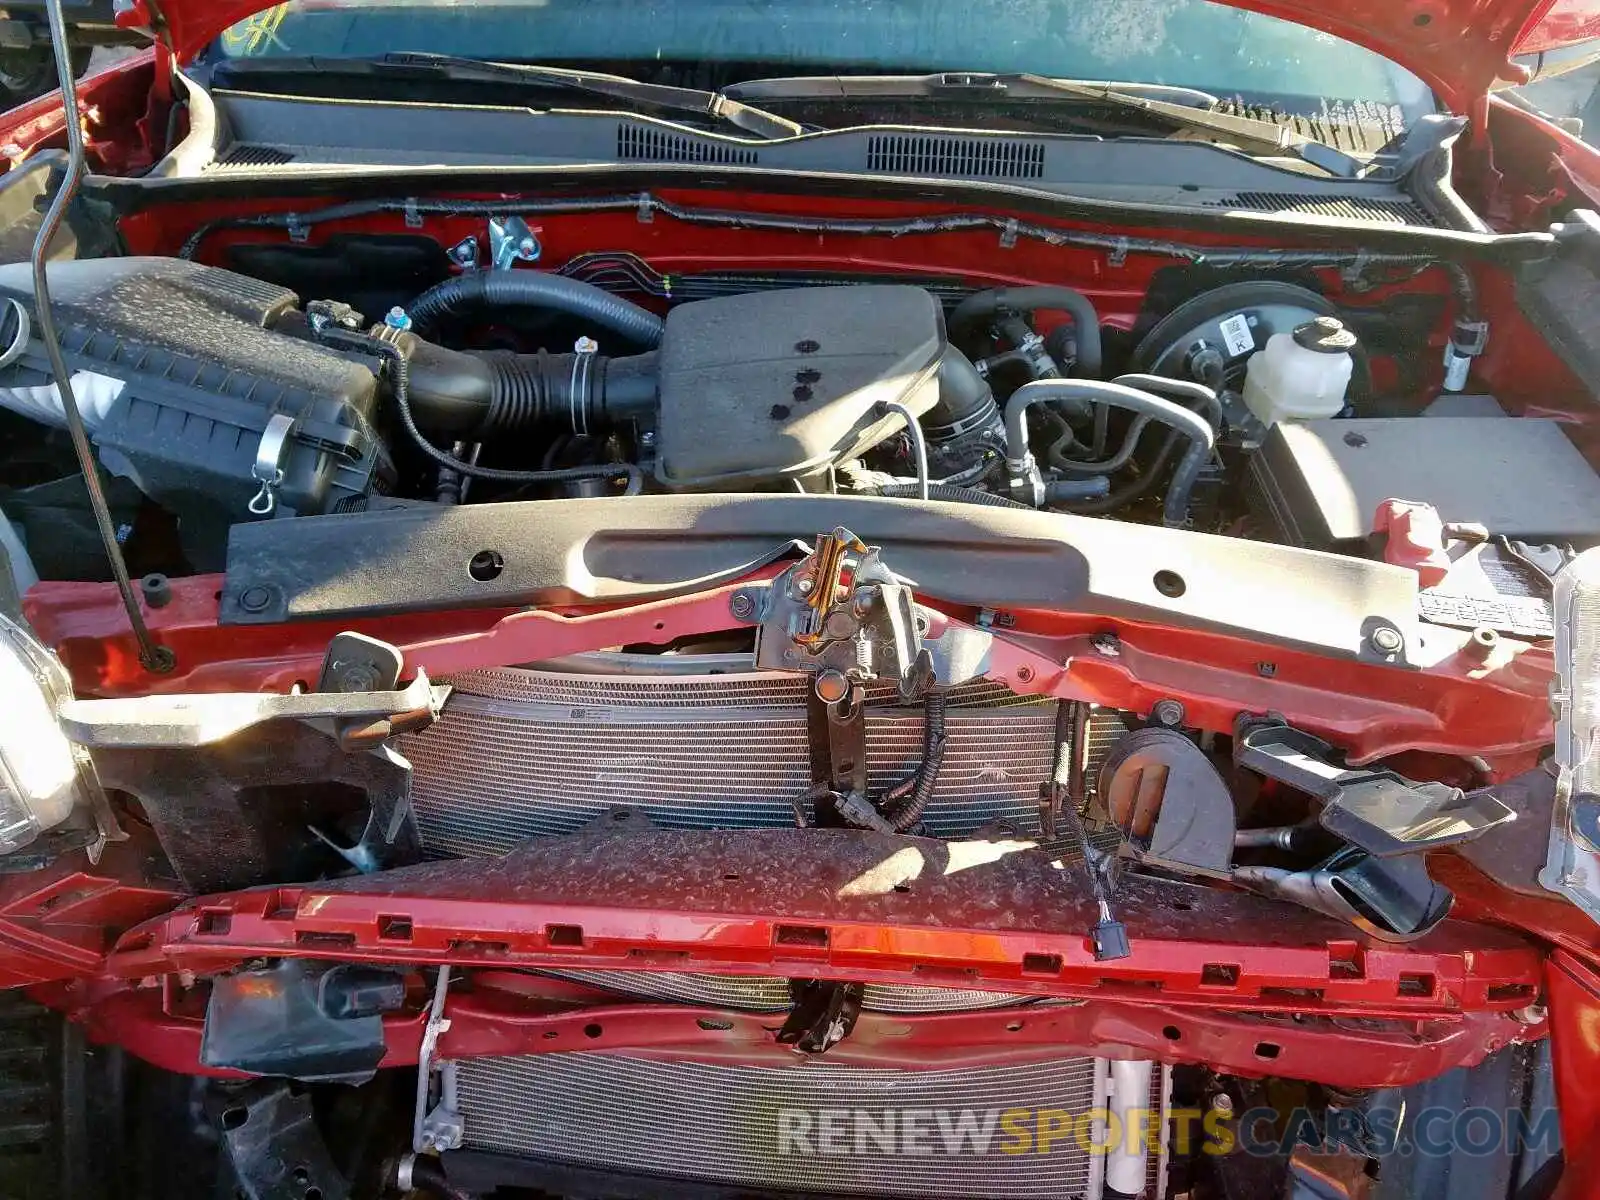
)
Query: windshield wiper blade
[
  {"x": 711, "y": 105},
  {"x": 1185, "y": 108},
  {"x": 1266, "y": 137},
  {"x": 945, "y": 84}
]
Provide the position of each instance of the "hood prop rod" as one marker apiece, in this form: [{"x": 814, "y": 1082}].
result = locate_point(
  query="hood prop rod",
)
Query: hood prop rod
[{"x": 155, "y": 658}]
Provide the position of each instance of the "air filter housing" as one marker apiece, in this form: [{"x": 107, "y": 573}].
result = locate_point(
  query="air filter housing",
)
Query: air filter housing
[{"x": 783, "y": 385}]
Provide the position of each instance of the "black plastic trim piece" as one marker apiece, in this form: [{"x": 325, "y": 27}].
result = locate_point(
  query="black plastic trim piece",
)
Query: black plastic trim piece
[{"x": 415, "y": 559}]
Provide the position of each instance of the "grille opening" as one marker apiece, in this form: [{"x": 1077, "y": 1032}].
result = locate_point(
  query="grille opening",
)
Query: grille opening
[
  {"x": 1041, "y": 964},
  {"x": 979, "y": 158},
  {"x": 1345, "y": 961},
  {"x": 479, "y": 946},
  {"x": 1416, "y": 985},
  {"x": 646, "y": 143},
  {"x": 394, "y": 929},
  {"x": 814, "y": 936},
  {"x": 564, "y": 935},
  {"x": 1510, "y": 991},
  {"x": 214, "y": 921},
  {"x": 324, "y": 941}
]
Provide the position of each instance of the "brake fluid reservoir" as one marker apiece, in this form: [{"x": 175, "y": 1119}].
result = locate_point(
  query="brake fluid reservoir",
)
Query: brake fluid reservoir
[{"x": 1301, "y": 376}]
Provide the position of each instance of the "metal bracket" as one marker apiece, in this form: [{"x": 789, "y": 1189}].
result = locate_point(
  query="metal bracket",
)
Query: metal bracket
[
  {"x": 823, "y": 1015},
  {"x": 511, "y": 240},
  {"x": 842, "y": 610},
  {"x": 1379, "y": 810},
  {"x": 358, "y": 706},
  {"x": 268, "y": 467},
  {"x": 439, "y": 1127},
  {"x": 182, "y": 722},
  {"x": 465, "y": 253}
]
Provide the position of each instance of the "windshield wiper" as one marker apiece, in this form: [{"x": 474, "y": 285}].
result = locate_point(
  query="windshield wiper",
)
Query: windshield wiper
[
  {"x": 421, "y": 64},
  {"x": 1185, "y": 108}
]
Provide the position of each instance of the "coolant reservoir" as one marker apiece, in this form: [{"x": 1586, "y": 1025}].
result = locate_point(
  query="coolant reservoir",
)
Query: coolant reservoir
[{"x": 1301, "y": 376}]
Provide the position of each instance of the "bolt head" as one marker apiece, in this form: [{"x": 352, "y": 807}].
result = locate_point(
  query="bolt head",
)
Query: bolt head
[
  {"x": 1387, "y": 640},
  {"x": 1106, "y": 644},
  {"x": 255, "y": 599},
  {"x": 832, "y": 686},
  {"x": 1167, "y": 712},
  {"x": 804, "y": 586},
  {"x": 743, "y": 605}
]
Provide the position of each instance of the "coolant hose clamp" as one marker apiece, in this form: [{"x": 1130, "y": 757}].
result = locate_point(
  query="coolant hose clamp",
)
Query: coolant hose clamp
[{"x": 268, "y": 468}]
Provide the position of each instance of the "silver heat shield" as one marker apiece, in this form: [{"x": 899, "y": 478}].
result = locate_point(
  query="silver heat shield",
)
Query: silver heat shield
[
  {"x": 523, "y": 753},
  {"x": 762, "y": 1126}
]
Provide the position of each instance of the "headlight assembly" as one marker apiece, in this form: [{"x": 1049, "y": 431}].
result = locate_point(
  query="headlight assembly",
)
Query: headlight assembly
[
  {"x": 41, "y": 774},
  {"x": 1572, "y": 866}
]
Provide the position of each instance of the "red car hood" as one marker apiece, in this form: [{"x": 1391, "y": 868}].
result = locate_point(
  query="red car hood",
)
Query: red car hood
[{"x": 1460, "y": 47}]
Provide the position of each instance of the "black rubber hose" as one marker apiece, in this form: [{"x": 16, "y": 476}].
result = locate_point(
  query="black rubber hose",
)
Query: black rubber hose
[
  {"x": 905, "y": 803},
  {"x": 476, "y": 396},
  {"x": 964, "y": 395},
  {"x": 1106, "y": 466},
  {"x": 399, "y": 384},
  {"x": 1134, "y": 488},
  {"x": 1179, "y": 389},
  {"x": 1093, "y": 391},
  {"x": 1186, "y": 424},
  {"x": 428, "y": 1176},
  {"x": 951, "y": 494},
  {"x": 980, "y": 306},
  {"x": 536, "y": 289}
]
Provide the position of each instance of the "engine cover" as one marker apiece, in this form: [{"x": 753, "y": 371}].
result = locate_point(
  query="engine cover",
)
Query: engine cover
[{"x": 770, "y": 386}]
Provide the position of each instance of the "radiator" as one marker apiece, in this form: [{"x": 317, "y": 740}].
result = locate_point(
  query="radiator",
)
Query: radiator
[
  {"x": 761, "y": 1126},
  {"x": 522, "y": 753},
  {"x": 770, "y": 993}
]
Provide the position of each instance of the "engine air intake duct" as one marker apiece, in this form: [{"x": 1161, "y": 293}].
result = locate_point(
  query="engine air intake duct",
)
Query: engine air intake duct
[{"x": 477, "y": 395}]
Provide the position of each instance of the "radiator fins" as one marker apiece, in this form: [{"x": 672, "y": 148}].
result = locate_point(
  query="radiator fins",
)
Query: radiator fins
[
  {"x": 525, "y": 753},
  {"x": 768, "y": 993},
  {"x": 719, "y": 1123}
]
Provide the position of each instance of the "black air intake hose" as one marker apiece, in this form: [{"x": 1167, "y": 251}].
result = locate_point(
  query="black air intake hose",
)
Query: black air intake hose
[
  {"x": 536, "y": 289},
  {"x": 981, "y": 306},
  {"x": 473, "y": 396}
]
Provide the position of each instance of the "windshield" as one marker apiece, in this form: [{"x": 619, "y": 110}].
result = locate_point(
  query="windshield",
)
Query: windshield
[{"x": 1192, "y": 43}]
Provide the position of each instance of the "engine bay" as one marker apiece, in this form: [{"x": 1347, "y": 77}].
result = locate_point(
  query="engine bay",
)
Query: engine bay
[{"x": 301, "y": 381}]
